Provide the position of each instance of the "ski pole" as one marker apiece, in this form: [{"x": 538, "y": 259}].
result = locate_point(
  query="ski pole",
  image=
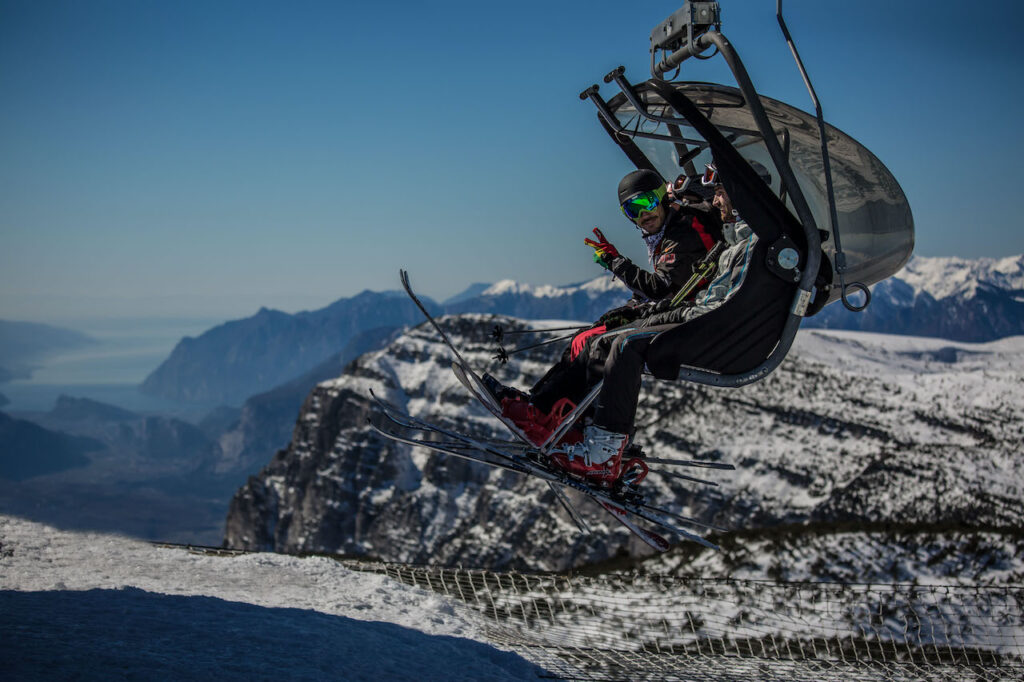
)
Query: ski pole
[
  {"x": 502, "y": 355},
  {"x": 498, "y": 333}
]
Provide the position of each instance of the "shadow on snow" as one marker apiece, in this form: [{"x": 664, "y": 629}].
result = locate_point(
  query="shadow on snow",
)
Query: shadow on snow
[{"x": 134, "y": 634}]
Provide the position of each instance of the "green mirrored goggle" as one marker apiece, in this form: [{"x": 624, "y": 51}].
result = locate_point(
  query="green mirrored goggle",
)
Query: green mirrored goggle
[{"x": 645, "y": 201}]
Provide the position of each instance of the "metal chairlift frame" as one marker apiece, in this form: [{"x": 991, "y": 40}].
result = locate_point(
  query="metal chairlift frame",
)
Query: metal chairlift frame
[{"x": 711, "y": 37}]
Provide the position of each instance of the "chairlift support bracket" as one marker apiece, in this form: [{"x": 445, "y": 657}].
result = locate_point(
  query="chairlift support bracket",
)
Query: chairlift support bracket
[{"x": 683, "y": 35}]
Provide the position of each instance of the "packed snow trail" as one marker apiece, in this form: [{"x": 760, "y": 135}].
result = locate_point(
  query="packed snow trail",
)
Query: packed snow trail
[{"x": 91, "y": 606}]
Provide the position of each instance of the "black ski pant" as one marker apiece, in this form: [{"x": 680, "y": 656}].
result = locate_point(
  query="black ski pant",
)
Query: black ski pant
[{"x": 619, "y": 358}]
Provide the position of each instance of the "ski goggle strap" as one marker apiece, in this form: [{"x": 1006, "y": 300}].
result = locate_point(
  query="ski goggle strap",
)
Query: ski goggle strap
[
  {"x": 641, "y": 203},
  {"x": 710, "y": 175}
]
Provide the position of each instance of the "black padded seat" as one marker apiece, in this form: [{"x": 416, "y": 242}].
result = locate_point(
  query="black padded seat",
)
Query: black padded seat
[{"x": 733, "y": 338}]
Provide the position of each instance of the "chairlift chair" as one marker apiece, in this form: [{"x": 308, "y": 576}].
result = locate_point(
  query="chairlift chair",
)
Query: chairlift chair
[{"x": 833, "y": 220}]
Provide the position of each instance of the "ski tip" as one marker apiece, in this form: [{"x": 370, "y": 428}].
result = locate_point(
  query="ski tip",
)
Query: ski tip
[
  {"x": 705, "y": 542},
  {"x": 657, "y": 542}
]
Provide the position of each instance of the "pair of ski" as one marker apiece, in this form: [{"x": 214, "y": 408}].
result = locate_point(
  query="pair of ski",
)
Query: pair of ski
[{"x": 523, "y": 457}]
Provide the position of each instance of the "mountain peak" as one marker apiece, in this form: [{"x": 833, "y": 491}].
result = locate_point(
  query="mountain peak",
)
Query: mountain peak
[
  {"x": 592, "y": 288},
  {"x": 472, "y": 291},
  {"x": 946, "y": 276}
]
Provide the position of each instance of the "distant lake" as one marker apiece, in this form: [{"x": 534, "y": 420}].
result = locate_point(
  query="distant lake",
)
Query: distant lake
[{"x": 109, "y": 371}]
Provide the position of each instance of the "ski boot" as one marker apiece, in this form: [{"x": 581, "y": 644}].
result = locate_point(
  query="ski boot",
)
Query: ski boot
[{"x": 537, "y": 425}]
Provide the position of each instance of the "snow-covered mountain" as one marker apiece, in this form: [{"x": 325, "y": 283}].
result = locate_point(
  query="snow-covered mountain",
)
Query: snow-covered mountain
[
  {"x": 585, "y": 301},
  {"x": 954, "y": 298},
  {"x": 852, "y": 429},
  {"x": 962, "y": 299},
  {"x": 951, "y": 276}
]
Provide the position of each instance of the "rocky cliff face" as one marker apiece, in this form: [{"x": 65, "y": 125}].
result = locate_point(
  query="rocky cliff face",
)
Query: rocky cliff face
[
  {"x": 340, "y": 488},
  {"x": 249, "y": 437},
  {"x": 853, "y": 428}
]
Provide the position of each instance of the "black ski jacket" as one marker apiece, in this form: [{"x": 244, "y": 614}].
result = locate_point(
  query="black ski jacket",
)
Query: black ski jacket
[{"x": 689, "y": 234}]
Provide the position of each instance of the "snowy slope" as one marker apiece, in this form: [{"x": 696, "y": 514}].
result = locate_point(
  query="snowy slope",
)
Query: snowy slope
[{"x": 90, "y": 606}]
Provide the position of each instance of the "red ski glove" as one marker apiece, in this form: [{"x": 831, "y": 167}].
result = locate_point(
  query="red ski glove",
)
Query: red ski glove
[
  {"x": 579, "y": 342},
  {"x": 604, "y": 252}
]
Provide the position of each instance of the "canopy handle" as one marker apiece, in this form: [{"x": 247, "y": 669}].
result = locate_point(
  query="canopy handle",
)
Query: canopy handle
[
  {"x": 840, "y": 258},
  {"x": 855, "y": 286}
]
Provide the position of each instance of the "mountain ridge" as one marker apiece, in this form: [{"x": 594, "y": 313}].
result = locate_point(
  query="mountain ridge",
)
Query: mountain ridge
[{"x": 242, "y": 358}]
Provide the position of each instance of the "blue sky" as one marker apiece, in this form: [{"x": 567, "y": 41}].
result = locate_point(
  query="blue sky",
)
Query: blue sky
[{"x": 206, "y": 158}]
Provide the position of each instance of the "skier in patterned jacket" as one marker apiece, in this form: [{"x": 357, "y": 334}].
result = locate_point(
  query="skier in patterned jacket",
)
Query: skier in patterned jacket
[{"x": 678, "y": 237}]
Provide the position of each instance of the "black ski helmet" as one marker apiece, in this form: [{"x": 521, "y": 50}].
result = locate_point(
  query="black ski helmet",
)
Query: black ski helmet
[{"x": 639, "y": 181}]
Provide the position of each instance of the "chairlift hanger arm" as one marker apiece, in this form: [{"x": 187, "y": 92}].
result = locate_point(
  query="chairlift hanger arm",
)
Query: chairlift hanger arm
[
  {"x": 627, "y": 89},
  {"x": 840, "y": 256}
]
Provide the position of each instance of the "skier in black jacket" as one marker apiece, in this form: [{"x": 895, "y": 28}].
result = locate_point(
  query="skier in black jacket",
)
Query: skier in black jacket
[{"x": 677, "y": 237}]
